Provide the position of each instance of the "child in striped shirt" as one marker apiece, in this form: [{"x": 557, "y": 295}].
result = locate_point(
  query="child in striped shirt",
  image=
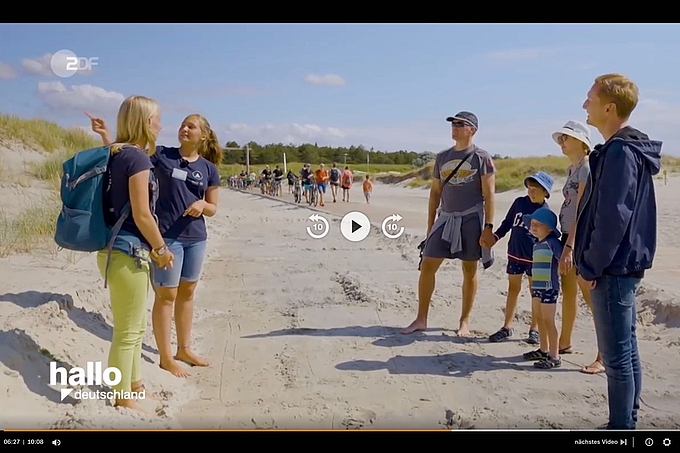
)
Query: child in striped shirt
[{"x": 545, "y": 286}]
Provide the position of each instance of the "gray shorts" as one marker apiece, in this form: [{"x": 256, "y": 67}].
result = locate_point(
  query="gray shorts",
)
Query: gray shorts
[{"x": 471, "y": 231}]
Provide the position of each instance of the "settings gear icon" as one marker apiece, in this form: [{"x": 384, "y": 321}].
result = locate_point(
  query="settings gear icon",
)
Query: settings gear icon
[{"x": 666, "y": 442}]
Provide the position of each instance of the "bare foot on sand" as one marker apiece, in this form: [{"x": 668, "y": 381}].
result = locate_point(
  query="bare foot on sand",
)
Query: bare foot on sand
[
  {"x": 188, "y": 357},
  {"x": 174, "y": 368},
  {"x": 414, "y": 327},
  {"x": 463, "y": 330},
  {"x": 147, "y": 395},
  {"x": 131, "y": 404},
  {"x": 594, "y": 368}
]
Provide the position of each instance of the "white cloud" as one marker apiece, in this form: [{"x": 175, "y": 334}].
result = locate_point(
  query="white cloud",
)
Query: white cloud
[
  {"x": 327, "y": 79},
  {"x": 58, "y": 97},
  {"x": 42, "y": 67},
  {"x": 7, "y": 71},
  {"x": 282, "y": 133},
  {"x": 514, "y": 55},
  {"x": 38, "y": 66}
]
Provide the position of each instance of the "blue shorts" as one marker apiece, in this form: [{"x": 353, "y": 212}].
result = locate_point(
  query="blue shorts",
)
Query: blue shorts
[
  {"x": 547, "y": 296},
  {"x": 307, "y": 186},
  {"x": 515, "y": 267},
  {"x": 187, "y": 264},
  {"x": 322, "y": 187}
]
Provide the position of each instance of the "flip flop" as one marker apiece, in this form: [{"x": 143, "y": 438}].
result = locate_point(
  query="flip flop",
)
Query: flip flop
[{"x": 566, "y": 350}]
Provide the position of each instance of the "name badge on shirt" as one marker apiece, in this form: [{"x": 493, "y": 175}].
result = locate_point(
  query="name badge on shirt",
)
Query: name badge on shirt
[{"x": 179, "y": 174}]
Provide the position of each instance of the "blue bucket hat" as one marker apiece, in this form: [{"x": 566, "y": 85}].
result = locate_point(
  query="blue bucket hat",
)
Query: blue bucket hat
[
  {"x": 546, "y": 217},
  {"x": 543, "y": 179}
]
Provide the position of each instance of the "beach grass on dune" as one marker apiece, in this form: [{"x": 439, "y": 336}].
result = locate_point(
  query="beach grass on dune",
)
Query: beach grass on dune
[
  {"x": 59, "y": 142},
  {"x": 45, "y": 135},
  {"x": 33, "y": 228},
  {"x": 511, "y": 172}
]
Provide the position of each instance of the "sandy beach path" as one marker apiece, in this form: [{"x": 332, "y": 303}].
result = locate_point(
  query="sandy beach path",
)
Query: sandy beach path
[{"x": 305, "y": 335}]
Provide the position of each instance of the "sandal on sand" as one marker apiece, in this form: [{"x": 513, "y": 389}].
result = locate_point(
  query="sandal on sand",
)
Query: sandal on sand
[
  {"x": 592, "y": 369},
  {"x": 548, "y": 363},
  {"x": 533, "y": 337},
  {"x": 567, "y": 350},
  {"x": 501, "y": 335},
  {"x": 535, "y": 355}
]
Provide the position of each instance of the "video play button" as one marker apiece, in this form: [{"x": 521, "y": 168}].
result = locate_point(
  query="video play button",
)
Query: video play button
[{"x": 355, "y": 226}]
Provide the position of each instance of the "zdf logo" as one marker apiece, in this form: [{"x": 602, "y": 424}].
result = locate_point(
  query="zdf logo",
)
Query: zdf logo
[{"x": 66, "y": 63}]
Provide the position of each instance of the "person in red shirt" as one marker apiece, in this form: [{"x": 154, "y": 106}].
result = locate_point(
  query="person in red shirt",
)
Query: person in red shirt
[{"x": 346, "y": 182}]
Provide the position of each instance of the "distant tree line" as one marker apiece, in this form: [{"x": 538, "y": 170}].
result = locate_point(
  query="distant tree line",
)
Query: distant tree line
[{"x": 314, "y": 154}]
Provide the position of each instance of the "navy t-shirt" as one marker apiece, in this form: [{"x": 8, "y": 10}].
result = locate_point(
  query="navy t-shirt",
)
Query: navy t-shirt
[
  {"x": 521, "y": 243},
  {"x": 182, "y": 183},
  {"x": 124, "y": 164}
]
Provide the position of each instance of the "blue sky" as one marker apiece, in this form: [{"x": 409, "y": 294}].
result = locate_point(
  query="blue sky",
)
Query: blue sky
[{"x": 387, "y": 86}]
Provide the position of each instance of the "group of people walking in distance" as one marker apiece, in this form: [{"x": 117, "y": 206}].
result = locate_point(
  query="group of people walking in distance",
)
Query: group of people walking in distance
[
  {"x": 600, "y": 242},
  {"x": 308, "y": 184}
]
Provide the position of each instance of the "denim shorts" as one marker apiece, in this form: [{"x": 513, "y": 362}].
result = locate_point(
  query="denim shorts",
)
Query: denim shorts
[
  {"x": 321, "y": 187},
  {"x": 547, "y": 296},
  {"x": 187, "y": 264}
]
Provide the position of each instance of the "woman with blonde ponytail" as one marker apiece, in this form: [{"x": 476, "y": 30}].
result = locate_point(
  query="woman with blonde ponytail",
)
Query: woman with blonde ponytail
[
  {"x": 189, "y": 183},
  {"x": 131, "y": 183}
]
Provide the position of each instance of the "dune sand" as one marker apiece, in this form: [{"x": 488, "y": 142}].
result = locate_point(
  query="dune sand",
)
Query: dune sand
[{"x": 302, "y": 333}]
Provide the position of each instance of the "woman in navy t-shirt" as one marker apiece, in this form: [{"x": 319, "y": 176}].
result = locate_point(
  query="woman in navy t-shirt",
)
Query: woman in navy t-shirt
[
  {"x": 189, "y": 183},
  {"x": 130, "y": 180}
]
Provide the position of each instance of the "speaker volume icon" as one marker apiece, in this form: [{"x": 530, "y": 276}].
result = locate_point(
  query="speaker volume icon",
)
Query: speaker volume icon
[{"x": 56, "y": 442}]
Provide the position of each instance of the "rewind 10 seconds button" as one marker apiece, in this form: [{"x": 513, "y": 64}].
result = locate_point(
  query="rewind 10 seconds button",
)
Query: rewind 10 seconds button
[{"x": 319, "y": 228}]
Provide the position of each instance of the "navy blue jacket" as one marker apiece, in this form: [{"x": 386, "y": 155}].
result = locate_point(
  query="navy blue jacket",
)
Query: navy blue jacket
[
  {"x": 521, "y": 242},
  {"x": 616, "y": 223}
]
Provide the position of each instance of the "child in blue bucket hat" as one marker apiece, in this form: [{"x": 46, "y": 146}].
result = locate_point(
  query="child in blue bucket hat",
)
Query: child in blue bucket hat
[
  {"x": 521, "y": 250},
  {"x": 545, "y": 286}
]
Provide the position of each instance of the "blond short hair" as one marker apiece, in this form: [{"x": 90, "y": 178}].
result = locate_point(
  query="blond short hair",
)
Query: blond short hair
[
  {"x": 133, "y": 124},
  {"x": 620, "y": 91}
]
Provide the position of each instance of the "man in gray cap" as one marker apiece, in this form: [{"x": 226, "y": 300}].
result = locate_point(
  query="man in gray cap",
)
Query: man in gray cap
[{"x": 460, "y": 218}]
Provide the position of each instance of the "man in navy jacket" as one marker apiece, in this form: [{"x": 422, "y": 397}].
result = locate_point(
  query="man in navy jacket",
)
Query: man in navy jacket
[{"x": 615, "y": 237}]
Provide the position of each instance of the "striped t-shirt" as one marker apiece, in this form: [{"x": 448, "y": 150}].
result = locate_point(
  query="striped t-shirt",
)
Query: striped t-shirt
[{"x": 545, "y": 269}]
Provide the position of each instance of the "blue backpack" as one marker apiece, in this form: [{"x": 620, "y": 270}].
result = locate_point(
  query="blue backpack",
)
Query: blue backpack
[{"x": 81, "y": 225}]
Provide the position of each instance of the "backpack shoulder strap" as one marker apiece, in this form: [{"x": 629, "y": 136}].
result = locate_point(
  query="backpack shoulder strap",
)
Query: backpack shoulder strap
[
  {"x": 455, "y": 170},
  {"x": 124, "y": 214}
]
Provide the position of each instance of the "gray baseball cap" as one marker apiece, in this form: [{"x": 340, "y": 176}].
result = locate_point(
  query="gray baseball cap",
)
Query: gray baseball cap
[{"x": 466, "y": 117}]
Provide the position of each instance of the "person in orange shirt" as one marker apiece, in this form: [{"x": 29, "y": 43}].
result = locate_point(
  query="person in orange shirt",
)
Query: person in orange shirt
[
  {"x": 368, "y": 188},
  {"x": 321, "y": 177}
]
